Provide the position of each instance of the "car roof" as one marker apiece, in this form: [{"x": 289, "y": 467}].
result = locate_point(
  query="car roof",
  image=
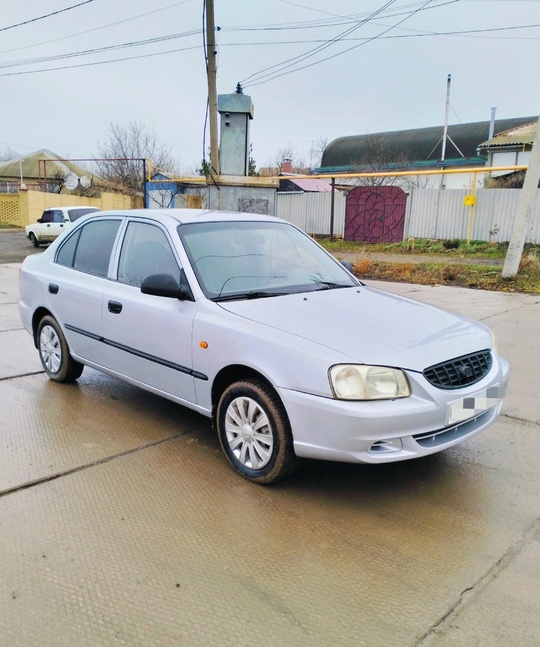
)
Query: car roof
[
  {"x": 185, "y": 216},
  {"x": 75, "y": 206}
]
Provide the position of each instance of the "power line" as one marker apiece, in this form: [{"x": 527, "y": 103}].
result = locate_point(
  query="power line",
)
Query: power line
[
  {"x": 258, "y": 76},
  {"x": 97, "y": 50},
  {"x": 88, "y": 31},
  {"x": 327, "y": 22},
  {"x": 466, "y": 33},
  {"x": 423, "y": 34},
  {"x": 114, "y": 60},
  {"x": 289, "y": 63},
  {"x": 303, "y": 6},
  {"x": 48, "y": 15},
  {"x": 270, "y": 76},
  {"x": 158, "y": 39}
]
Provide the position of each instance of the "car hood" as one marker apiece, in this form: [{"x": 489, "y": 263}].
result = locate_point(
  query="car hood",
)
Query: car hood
[{"x": 369, "y": 326}]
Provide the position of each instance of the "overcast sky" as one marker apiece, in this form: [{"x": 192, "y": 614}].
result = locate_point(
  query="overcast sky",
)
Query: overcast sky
[{"x": 393, "y": 77}]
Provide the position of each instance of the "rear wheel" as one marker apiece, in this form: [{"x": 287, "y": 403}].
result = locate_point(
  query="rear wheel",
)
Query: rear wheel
[
  {"x": 54, "y": 352},
  {"x": 33, "y": 239},
  {"x": 254, "y": 432}
]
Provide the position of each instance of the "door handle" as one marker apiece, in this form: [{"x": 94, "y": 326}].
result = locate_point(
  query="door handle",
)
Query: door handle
[{"x": 114, "y": 307}]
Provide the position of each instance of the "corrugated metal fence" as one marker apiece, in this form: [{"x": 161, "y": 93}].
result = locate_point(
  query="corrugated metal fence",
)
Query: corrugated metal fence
[
  {"x": 311, "y": 211},
  {"x": 431, "y": 213},
  {"x": 443, "y": 215}
]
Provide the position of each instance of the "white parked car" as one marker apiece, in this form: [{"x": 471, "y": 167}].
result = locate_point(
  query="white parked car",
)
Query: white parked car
[
  {"x": 247, "y": 320},
  {"x": 53, "y": 222}
]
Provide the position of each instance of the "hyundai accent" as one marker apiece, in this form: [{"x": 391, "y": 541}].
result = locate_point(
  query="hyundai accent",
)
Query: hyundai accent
[{"x": 247, "y": 320}]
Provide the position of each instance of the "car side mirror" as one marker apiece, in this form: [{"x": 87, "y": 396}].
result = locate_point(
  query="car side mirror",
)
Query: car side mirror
[
  {"x": 40, "y": 220},
  {"x": 347, "y": 265},
  {"x": 165, "y": 285}
]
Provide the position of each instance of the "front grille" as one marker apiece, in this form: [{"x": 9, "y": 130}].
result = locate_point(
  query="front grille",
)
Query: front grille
[{"x": 460, "y": 371}]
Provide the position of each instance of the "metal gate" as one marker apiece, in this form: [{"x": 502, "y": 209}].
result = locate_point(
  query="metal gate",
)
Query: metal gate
[{"x": 375, "y": 214}]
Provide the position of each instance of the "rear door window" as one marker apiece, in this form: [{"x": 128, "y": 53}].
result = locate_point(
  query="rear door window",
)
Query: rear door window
[{"x": 89, "y": 249}]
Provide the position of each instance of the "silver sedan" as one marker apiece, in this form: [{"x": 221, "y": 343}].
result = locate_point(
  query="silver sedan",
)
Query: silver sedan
[{"x": 247, "y": 320}]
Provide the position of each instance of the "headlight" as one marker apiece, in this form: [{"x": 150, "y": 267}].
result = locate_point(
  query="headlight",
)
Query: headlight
[{"x": 359, "y": 382}]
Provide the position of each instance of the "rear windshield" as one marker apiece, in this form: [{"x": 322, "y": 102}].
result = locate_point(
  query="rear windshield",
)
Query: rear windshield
[{"x": 74, "y": 214}]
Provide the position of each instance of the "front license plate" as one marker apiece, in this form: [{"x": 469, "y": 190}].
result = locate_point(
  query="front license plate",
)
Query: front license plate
[{"x": 473, "y": 405}]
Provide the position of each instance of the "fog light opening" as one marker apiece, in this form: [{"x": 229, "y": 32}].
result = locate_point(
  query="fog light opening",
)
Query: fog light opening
[{"x": 386, "y": 446}]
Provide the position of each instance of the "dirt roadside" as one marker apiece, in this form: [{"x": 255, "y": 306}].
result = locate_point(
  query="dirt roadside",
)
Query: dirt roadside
[{"x": 417, "y": 258}]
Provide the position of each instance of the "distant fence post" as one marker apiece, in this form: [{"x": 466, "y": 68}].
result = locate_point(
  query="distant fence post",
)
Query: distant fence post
[{"x": 332, "y": 209}]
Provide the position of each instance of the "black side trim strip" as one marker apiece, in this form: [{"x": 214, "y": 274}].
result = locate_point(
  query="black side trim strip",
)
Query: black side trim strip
[
  {"x": 139, "y": 353},
  {"x": 85, "y": 333}
]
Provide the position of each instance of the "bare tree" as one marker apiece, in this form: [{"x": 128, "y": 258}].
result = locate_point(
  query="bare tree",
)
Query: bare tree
[
  {"x": 317, "y": 150},
  {"x": 509, "y": 181},
  {"x": 91, "y": 190},
  {"x": 57, "y": 183},
  {"x": 162, "y": 196},
  {"x": 377, "y": 157},
  {"x": 8, "y": 154},
  {"x": 275, "y": 164},
  {"x": 126, "y": 149}
]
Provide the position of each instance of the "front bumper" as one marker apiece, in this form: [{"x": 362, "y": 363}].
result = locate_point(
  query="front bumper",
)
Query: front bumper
[{"x": 389, "y": 430}]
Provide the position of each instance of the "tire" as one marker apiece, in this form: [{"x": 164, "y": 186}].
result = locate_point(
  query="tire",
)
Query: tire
[
  {"x": 33, "y": 239},
  {"x": 54, "y": 352},
  {"x": 255, "y": 433}
]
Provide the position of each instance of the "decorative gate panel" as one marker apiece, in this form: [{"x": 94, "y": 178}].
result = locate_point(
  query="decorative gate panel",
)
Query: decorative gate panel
[{"x": 375, "y": 214}]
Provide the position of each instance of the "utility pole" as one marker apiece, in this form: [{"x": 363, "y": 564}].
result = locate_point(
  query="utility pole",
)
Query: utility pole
[
  {"x": 211, "y": 54},
  {"x": 525, "y": 210},
  {"x": 445, "y": 130}
]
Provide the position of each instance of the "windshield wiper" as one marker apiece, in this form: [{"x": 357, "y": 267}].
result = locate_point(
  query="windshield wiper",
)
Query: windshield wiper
[
  {"x": 253, "y": 294},
  {"x": 329, "y": 285}
]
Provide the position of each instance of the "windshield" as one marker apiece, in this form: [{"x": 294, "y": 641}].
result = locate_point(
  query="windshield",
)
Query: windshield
[{"x": 234, "y": 260}]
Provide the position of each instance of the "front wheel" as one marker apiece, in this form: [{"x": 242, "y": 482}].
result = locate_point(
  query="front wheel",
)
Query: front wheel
[
  {"x": 54, "y": 352},
  {"x": 33, "y": 239},
  {"x": 254, "y": 432}
]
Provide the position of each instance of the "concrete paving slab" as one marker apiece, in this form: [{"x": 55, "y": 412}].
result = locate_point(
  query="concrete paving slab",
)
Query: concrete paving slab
[
  {"x": 485, "y": 619},
  {"x": 9, "y": 283},
  {"x": 518, "y": 334},
  {"x": 49, "y": 429},
  {"x": 167, "y": 546},
  {"x": 9, "y": 318},
  {"x": 477, "y": 304},
  {"x": 19, "y": 356}
]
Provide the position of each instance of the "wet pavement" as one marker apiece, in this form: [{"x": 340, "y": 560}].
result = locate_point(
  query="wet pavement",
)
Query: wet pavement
[
  {"x": 122, "y": 524},
  {"x": 15, "y": 246}
]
